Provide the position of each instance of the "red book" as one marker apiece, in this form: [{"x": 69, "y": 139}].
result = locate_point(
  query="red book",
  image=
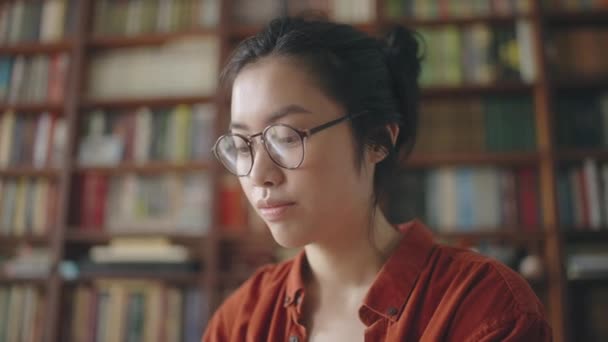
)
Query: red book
[
  {"x": 528, "y": 198},
  {"x": 99, "y": 201},
  {"x": 49, "y": 143},
  {"x": 52, "y": 208}
]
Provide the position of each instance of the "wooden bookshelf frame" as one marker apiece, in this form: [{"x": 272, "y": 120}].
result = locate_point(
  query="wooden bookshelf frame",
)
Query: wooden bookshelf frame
[{"x": 82, "y": 45}]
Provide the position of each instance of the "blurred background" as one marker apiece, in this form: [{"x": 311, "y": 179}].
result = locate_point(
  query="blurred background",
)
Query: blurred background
[{"x": 117, "y": 224}]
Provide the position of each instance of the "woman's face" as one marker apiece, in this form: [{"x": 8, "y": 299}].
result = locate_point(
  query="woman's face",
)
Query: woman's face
[{"x": 327, "y": 194}]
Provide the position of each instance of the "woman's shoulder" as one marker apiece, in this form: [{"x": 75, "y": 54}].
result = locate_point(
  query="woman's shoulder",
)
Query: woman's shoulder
[
  {"x": 490, "y": 277},
  {"x": 245, "y": 305},
  {"x": 492, "y": 296}
]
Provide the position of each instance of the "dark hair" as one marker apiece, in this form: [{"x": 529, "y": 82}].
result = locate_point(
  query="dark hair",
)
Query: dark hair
[{"x": 362, "y": 73}]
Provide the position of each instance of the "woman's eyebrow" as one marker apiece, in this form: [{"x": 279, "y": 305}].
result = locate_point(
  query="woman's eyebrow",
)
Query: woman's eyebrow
[{"x": 274, "y": 116}]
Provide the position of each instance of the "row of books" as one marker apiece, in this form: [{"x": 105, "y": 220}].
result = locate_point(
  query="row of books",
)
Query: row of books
[
  {"x": 178, "y": 134},
  {"x": 145, "y": 203},
  {"x": 565, "y": 59},
  {"x": 587, "y": 264},
  {"x": 133, "y": 17},
  {"x": 32, "y": 140},
  {"x": 493, "y": 124},
  {"x": 22, "y": 309},
  {"x": 477, "y": 54},
  {"x": 442, "y": 9},
  {"x": 182, "y": 67},
  {"x": 256, "y": 13},
  {"x": 28, "y": 206},
  {"x": 27, "y": 262},
  {"x": 582, "y": 120},
  {"x": 37, "y": 78},
  {"x": 583, "y": 196},
  {"x": 466, "y": 198},
  {"x": 134, "y": 310},
  {"x": 45, "y": 21},
  {"x": 575, "y": 5}
]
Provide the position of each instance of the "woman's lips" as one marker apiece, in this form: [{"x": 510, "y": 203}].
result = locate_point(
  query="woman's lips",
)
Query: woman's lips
[{"x": 275, "y": 212}]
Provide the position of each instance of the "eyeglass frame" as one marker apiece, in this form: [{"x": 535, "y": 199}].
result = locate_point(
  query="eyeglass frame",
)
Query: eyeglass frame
[{"x": 302, "y": 133}]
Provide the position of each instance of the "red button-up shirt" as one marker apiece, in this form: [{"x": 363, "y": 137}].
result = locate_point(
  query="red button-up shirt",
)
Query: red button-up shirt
[{"x": 424, "y": 292}]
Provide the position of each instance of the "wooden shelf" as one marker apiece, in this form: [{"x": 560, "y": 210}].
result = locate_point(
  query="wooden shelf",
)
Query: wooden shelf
[
  {"x": 505, "y": 88},
  {"x": 510, "y": 234},
  {"x": 147, "y": 39},
  {"x": 27, "y": 171},
  {"x": 477, "y": 159},
  {"x": 587, "y": 235},
  {"x": 582, "y": 154},
  {"x": 4, "y": 279},
  {"x": 491, "y": 20},
  {"x": 596, "y": 280},
  {"x": 145, "y": 102},
  {"x": 89, "y": 237},
  {"x": 12, "y": 241},
  {"x": 578, "y": 83},
  {"x": 188, "y": 278},
  {"x": 32, "y": 107},
  {"x": 148, "y": 168},
  {"x": 577, "y": 18},
  {"x": 36, "y": 48},
  {"x": 244, "y": 31}
]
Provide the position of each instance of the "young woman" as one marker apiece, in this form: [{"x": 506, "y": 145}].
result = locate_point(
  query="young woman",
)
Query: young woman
[{"x": 321, "y": 114}]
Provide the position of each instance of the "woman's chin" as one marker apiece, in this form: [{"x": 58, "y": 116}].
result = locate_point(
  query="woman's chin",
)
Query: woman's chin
[{"x": 288, "y": 236}]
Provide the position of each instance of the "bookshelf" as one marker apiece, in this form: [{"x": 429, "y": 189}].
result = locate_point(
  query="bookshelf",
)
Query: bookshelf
[{"x": 228, "y": 251}]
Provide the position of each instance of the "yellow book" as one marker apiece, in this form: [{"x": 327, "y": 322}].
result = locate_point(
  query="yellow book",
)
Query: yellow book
[
  {"x": 6, "y": 138},
  {"x": 20, "y": 203}
]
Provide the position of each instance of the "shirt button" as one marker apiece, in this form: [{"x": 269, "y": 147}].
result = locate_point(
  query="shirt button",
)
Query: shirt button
[
  {"x": 293, "y": 338},
  {"x": 392, "y": 311}
]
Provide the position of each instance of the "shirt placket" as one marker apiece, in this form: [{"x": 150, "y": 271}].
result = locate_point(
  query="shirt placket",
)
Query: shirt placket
[{"x": 296, "y": 332}]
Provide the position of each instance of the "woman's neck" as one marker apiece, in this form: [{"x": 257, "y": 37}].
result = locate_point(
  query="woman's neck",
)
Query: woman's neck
[{"x": 351, "y": 261}]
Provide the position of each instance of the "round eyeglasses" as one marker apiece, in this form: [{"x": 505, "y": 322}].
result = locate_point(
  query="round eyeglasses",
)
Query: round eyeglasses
[{"x": 284, "y": 144}]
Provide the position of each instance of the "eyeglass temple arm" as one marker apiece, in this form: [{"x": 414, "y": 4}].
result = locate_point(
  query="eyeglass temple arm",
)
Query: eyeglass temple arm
[{"x": 314, "y": 130}]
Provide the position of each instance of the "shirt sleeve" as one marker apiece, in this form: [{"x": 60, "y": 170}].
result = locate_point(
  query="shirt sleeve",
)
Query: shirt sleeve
[
  {"x": 524, "y": 327},
  {"x": 218, "y": 328}
]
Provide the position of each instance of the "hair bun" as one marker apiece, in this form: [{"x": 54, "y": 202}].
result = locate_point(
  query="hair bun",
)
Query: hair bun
[{"x": 401, "y": 50}]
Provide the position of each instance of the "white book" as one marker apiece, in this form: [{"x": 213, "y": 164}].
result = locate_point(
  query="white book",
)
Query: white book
[
  {"x": 52, "y": 21},
  {"x": 447, "y": 198},
  {"x": 593, "y": 195},
  {"x": 526, "y": 51},
  {"x": 43, "y": 131}
]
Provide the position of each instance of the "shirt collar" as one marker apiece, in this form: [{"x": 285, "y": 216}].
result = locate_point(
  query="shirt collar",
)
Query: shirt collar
[{"x": 395, "y": 280}]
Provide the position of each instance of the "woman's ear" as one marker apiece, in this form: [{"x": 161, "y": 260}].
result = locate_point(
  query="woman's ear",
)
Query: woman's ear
[
  {"x": 393, "y": 131},
  {"x": 378, "y": 152}
]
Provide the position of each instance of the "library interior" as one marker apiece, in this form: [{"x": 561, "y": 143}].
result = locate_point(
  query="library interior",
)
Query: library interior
[{"x": 118, "y": 223}]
